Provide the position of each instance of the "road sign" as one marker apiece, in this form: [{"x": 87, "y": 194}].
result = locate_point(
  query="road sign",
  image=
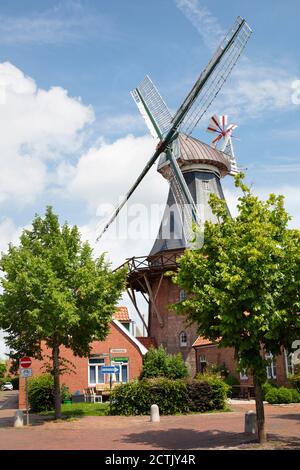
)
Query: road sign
[
  {"x": 118, "y": 351},
  {"x": 25, "y": 373},
  {"x": 110, "y": 369},
  {"x": 120, "y": 359},
  {"x": 25, "y": 362}
]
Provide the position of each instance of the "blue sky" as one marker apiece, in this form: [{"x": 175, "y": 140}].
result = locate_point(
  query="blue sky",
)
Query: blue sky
[{"x": 71, "y": 135}]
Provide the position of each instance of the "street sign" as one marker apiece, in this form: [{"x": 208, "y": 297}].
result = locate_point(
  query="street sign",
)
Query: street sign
[
  {"x": 25, "y": 362},
  {"x": 110, "y": 369},
  {"x": 120, "y": 359},
  {"x": 118, "y": 351},
  {"x": 25, "y": 373}
]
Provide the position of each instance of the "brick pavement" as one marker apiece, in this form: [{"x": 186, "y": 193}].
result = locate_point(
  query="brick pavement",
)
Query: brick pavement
[{"x": 188, "y": 432}]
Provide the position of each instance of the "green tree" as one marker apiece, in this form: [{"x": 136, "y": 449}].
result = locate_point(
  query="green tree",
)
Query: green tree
[
  {"x": 158, "y": 363},
  {"x": 3, "y": 368},
  {"x": 54, "y": 291},
  {"x": 244, "y": 283}
]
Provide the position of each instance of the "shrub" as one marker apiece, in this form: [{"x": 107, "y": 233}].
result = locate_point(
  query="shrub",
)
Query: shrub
[
  {"x": 158, "y": 363},
  {"x": 281, "y": 395},
  {"x": 231, "y": 380},
  {"x": 295, "y": 381},
  {"x": 200, "y": 396},
  {"x": 41, "y": 393},
  {"x": 171, "y": 396},
  {"x": 220, "y": 389}
]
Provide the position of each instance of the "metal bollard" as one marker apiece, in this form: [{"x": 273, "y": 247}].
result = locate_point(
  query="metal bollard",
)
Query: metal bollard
[
  {"x": 154, "y": 414},
  {"x": 19, "y": 419},
  {"x": 250, "y": 422}
]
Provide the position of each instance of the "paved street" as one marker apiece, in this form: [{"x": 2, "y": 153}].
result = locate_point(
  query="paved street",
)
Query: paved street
[{"x": 206, "y": 431}]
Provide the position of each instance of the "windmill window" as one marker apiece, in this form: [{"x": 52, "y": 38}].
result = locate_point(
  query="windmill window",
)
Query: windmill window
[
  {"x": 183, "y": 339},
  {"x": 172, "y": 223},
  {"x": 205, "y": 184},
  {"x": 202, "y": 363},
  {"x": 182, "y": 295}
]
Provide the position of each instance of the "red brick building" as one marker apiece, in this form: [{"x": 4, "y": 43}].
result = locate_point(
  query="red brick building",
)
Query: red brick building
[
  {"x": 208, "y": 354},
  {"x": 86, "y": 372}
]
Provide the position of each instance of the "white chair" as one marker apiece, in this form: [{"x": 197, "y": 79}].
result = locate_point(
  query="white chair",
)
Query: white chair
[{"x": 95, "y": 397}]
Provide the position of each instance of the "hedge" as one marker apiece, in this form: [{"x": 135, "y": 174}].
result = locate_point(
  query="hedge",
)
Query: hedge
[
  {"x": 171, "y": 396},
  {"x": 41, "y": 393},
  {"x": 278, "y": 395}
]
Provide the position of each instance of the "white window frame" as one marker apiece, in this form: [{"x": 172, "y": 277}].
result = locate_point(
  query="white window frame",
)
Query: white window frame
[
  {"x": 243, "y": 374},
  {"x": 289, "y": 368},
  {"x": 271, "y": 367},
  {"x": 182, "y": 295},
  {"x": 96, "y": 365},
  {"x": 205, "y": 184},
  {"x": 183, "y": 344},
  {"x": 115, "y": 363}
]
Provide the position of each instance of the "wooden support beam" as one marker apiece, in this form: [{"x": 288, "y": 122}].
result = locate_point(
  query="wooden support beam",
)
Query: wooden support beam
[
  {"x": 134, "y": 302},
  {"x": 151, "y": 297},
  {"x": 159, "y": 284}
]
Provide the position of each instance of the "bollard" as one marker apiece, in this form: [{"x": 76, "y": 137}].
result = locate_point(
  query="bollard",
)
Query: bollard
[
  {"x": 19, "y": 419},
  {"x": 154, "y": 414},
  {"x": 250, "y": 422}
]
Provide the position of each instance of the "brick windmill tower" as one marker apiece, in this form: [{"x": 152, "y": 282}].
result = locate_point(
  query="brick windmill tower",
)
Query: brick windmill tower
[{"x": 193, "y": 170}]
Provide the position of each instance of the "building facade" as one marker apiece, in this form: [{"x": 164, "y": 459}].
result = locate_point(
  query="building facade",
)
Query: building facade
[{"x": 119, "y": 348}]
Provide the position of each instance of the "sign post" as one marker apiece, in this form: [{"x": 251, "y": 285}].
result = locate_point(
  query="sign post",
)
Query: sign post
[{"x": 26, "y": 372}]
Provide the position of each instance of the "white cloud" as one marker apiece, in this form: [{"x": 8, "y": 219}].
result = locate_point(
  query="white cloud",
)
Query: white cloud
[
  {"x": 107, "y": 171},
  {"x": 203, "y": 20},
  {"x": 9, "y": 233},
  {"x": 36, "y": 125},
  {"x": 291, "y": 195},
  {"x": 253, "y": 88}
]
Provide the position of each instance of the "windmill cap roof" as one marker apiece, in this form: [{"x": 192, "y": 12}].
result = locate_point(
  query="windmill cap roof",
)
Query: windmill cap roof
[{"x": 189, "y": 150}]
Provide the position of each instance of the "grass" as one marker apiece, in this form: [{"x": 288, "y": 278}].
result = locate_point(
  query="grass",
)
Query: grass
[{"x": 75, "y": 410}]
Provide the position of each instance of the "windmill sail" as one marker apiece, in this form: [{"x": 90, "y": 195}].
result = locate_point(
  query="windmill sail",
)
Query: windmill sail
[
  {"x": 197, "y": 101},
  {"x": 152, "y": 107}
]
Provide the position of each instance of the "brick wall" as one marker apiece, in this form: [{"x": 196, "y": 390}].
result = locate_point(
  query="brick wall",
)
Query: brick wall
[
  {"x": 215, "y": 355},
  {"x": 78, "y": 380},
  {"x": 168, "y": 334}
]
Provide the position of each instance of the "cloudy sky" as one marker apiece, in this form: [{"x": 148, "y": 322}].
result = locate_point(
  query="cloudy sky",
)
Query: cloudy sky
[{"x": 71, "y": 135}]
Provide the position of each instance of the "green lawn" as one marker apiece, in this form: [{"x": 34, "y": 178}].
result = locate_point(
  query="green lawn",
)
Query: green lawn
[{"x": 81, "y": 409}]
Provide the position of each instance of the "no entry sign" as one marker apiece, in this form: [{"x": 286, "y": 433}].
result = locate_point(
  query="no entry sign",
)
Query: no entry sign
[{"x": 25, "y": 362}]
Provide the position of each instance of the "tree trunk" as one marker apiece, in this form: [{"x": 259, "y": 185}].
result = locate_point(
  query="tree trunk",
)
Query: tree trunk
[
  {"x": 260, "y": 413},
  {"x": 57, "y": 397}
]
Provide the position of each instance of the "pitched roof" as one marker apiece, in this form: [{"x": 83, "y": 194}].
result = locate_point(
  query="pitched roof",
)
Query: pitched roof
[
  {"x": 122, "y": 314},
  {"x": 141, "y": 347},
  {"x": 147, "y": 341},
  {"x": 200, "y": 341}
]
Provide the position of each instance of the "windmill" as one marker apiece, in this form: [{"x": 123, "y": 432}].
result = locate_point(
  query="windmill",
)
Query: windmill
[
  {"x": 166, "y": 128},
  {"x": 193, "y": 170}
]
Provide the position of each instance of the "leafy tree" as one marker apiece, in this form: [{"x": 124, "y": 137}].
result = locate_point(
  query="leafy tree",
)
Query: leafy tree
[
  {"x": 244, "y": 283},
  {"x": 3, "y": 368},
  {"x": 158, "y": 363},
  {"x": 54, "y": 291}
]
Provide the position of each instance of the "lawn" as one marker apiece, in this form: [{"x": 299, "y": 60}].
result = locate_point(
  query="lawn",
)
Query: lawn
[{"x": 81, "y": 409}]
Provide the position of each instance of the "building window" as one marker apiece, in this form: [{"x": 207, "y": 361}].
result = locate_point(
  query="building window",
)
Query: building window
[
  {"x": 271, "y": 366},
  {"x": 202, "y": 363},
  {"x": 183, "y": 339},
  {"x": 95, "y": 373},
  {"x": 289, "y": 365},
  {"x": 243, "y": 374},
  {"x": 205, "y": 184},
  {"x": 182, "y": 295},
  {"x": 124, "y": 372}
]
